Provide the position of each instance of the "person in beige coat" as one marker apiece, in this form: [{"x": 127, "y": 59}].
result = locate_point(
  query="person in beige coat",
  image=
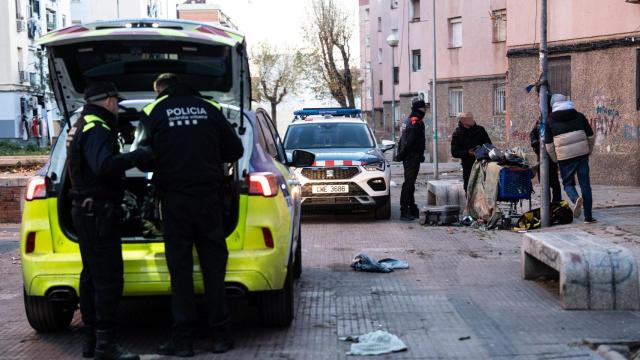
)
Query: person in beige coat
[{"x": 569, "y": 140}]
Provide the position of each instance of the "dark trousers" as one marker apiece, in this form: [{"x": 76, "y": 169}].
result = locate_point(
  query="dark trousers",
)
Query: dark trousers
[
  {"x": 554, "y": 181},
  {"x": 580, "y": 167},
  {"x": 466, "y": 173},
  {"x": 101, "y": 279},
  {"x": 188, "y": 221},
  {"x": 411, "y": 167}
]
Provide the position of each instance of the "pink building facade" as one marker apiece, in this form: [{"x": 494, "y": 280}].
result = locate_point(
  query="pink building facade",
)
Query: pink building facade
[{"x": 486, "y": 56}]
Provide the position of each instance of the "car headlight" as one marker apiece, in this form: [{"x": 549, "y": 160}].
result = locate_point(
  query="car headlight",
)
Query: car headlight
[{"x": 375, "y": 166}]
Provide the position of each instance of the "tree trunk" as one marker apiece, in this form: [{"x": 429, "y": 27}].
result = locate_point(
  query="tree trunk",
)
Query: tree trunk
[{"x": 273, "y": 111}]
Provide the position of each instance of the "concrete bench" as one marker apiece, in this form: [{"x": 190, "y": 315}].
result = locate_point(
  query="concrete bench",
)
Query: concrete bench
[
  {"x": 445, "y": 192},
  {"x": 594, "y": 273}
]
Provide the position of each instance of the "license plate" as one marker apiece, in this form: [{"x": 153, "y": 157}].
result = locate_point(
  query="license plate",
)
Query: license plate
[{"x": 329, "y": 189}]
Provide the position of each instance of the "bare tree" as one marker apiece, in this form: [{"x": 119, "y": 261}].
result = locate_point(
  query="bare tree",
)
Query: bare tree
[
  {"x": 329, "y": 63},
  {"x": 278, "y": 75}
]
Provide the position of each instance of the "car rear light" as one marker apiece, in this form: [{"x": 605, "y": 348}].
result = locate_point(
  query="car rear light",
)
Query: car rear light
[
  {"x": 268, "y": 238},
  {"x": 263, "y": 183},
  {"x": 30, "y": 245},
  {"x": 36, "y": 189}
]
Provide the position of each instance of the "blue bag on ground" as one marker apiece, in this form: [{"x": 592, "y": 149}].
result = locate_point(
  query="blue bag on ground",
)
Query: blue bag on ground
[{"x": 364, "y": 262}]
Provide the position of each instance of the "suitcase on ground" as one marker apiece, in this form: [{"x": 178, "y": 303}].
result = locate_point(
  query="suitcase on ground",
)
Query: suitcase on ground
[{"x": 440, "y": 215}]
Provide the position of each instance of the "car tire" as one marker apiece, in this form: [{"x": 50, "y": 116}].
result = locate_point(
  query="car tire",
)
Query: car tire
[
  {"x": 276, "y": 307},
  {"x": 297, "y": 260},
  {"x": 383, "y": 212},
  {"x": 47, "y": 316}
]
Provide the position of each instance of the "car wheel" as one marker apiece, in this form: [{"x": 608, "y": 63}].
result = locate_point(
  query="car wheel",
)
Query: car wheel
[
  {"x": 47, "y": 316},
  {"x": 297, "y": 260},
  {"x": 276, "y": 307},
  {"x": 383, "y": 212}
]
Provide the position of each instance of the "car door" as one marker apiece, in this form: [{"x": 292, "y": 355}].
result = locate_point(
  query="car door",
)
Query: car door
[{"x": 276, "y": 150}]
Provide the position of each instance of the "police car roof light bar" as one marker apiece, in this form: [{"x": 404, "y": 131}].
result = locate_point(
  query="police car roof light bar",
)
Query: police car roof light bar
[{"x": 328, "y": 111}]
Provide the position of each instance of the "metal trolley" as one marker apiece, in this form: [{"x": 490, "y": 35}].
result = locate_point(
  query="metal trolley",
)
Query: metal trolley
[{"x": 514, "y": 187}]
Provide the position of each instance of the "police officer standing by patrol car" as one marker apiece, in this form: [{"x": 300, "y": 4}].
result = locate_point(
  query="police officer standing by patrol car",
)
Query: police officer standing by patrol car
[
  {"x": 191, "y": 139},
  {"x": 96, "y": 170},
  {"x": 411, "y": 153}
]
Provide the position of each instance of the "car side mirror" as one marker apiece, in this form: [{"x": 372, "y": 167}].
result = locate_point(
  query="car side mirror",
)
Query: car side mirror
[
  {"x": 387, "y": 145},
  {"x": 302, "y": 158}
]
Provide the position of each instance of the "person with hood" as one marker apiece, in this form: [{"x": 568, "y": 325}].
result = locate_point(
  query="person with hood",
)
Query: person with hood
[
  {"x": 534, "y": 137},
  {"x": 191, "y": 140},
  {"x": 411, "y": 153},
  {"x": 465, "y": 139},
  {"x": 569, "y": 140}
]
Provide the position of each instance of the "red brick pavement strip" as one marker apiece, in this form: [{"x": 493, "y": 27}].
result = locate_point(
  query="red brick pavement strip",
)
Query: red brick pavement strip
[{"x": 462, "y": 283}]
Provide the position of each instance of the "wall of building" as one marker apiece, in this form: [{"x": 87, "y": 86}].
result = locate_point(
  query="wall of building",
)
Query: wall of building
[
  {"x": 84, "y": 11},
  {"x": 570, "y": 20},
  {"x": 603, "y": 87},
  {"x": 15, "y": 26},
  {"x": 11, "y": 199},
  {"x": 210, "y": 16},
  {"x": 478, "y": 58}
]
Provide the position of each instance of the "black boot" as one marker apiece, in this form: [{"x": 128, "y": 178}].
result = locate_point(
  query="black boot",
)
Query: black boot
[
  {"x": 415, "y": 212},
  {"x": 221, "y": 340},
  {"x": 180, "y": 344},
  {"x": 108, "y": 349},
  {"x": 88, "y": 341},
  {"x": 406, "y": 215}
]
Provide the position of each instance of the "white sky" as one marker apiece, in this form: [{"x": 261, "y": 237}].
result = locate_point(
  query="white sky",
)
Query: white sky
[{"x": 278, "y": 22}]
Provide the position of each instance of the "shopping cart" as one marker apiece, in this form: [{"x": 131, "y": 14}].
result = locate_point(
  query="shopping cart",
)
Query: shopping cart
[{"x": 514, "y": 187}]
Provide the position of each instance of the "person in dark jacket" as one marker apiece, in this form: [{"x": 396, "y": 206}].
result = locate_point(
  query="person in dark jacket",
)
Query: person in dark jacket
[
  {"x": 569, "y": 140},
  {"x": 465, "y": 139},
  {"x": 191, "y": 140},
  {"x": 96, "y": 171},
  {"x": 411, "y": 153},
  {"x": 534, "y": 137}
]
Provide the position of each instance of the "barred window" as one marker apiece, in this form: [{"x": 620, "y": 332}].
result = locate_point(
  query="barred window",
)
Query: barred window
[
  {"x": 456, "y": 101},
  {"x": 499, "y": 103}
]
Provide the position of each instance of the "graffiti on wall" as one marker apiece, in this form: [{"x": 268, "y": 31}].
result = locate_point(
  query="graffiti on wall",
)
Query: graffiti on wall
[{"x": 605, "y": 122}]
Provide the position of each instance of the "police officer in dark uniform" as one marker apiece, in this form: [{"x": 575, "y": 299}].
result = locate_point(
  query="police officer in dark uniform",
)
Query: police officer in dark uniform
[
  {"x": 411, "y": 153},
  {"x": 96, "y": 170},
  {"x": 191, "y": 139}
]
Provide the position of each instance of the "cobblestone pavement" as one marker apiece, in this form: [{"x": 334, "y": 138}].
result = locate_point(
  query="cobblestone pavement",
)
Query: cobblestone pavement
[{"x": 462, "y": 298}]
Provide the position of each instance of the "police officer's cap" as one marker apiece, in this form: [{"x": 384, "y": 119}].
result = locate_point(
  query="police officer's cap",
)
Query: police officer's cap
[{"x": 101, "y": 90}]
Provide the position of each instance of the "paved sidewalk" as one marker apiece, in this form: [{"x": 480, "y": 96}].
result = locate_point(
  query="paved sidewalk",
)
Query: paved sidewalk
[{"x": 604, "y": 196}]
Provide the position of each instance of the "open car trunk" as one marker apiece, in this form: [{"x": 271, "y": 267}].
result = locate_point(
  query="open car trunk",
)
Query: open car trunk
[
  {"x": 131, "y": 54},
  {"x": 139, "y": 211}
]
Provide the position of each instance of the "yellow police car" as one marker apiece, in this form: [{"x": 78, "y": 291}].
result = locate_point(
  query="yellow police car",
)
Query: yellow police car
[{"x": 262, "y": 212}]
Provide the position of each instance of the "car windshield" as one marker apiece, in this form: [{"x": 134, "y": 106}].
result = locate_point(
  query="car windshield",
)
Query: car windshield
[{"x": 328, "y": 135}]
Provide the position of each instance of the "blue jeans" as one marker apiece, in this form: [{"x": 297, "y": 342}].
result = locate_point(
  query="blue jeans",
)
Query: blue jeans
[{"x": 580, "y": 167}]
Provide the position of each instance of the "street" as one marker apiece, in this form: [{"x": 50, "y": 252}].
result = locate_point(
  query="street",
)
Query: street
[{"x": 462, "y": 297}]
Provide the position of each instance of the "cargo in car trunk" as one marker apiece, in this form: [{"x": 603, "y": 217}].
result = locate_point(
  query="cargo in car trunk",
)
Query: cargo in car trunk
[{"x": 139, "y": 210}]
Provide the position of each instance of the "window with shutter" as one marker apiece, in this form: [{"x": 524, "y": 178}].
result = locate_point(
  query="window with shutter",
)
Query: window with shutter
[
  {"x": 560, "y": 75},
  {"x": 455, "y": 32}
]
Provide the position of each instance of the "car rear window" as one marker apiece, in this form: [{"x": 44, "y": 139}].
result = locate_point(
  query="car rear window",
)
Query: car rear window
[{"x": 328, "y": 135}]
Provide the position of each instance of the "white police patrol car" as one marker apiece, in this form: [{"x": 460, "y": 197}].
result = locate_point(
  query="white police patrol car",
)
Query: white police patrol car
[{"x": 350, "y": 170}]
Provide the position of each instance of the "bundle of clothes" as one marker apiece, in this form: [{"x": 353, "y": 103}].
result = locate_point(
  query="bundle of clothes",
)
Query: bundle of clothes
[{"x": 511, "y": 157}]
